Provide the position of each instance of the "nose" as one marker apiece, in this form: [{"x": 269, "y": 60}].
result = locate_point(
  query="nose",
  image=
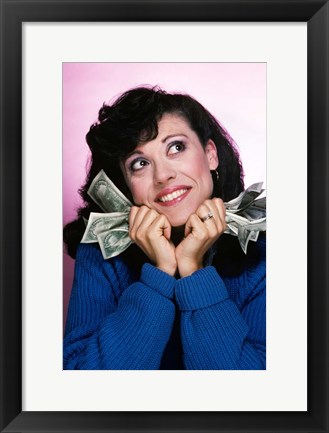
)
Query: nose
[{"x": 163, "y": 172}]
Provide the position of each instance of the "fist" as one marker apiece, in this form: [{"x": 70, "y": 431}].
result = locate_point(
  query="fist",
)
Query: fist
[
  {"x": 151, "y": 232},
  {"x": 202, "y": 229}
]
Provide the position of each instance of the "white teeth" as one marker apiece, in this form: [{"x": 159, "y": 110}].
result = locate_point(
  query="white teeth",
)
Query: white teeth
[{"x": 172, "y": 196}]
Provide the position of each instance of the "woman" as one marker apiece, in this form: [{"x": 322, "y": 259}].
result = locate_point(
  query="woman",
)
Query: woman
[{"x": 183, "y": 295}]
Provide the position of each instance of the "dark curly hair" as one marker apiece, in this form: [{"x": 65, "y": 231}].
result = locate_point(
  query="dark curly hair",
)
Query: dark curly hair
[{"x": 132, "y": 119}]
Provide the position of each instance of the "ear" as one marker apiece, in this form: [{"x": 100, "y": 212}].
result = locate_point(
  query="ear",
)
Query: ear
[{"x": 212, "y": 155}]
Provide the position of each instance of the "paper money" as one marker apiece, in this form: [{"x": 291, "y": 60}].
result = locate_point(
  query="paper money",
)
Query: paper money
[
  {"x": 249, "y": 232},
  {"x": 106, "y": 195},
  {"x": 245, "y": 198},
  {"x": 104, "y": 222},
  {"x": 114, "y": 242},
  {"x": 245, "y": 217},
  {"x": 256, "y": 210},
  {"x": 245, "y": 229}
]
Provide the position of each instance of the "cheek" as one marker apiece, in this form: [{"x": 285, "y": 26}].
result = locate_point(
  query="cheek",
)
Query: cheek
[
  {"x": 201, "y": 171},
  {"x": 138, "y": 191},
  {"x": 205, "y": 180},
  {"x": 208, "y": 186}
]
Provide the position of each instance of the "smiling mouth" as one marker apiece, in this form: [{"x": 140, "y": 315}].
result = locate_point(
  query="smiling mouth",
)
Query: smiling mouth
[{"x": 174, "y": 197}]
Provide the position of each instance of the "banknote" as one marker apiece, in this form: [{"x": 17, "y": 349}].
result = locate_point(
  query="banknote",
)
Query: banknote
[
  {"x": 100, "y": 222},
  {"x": 114, "y": 242},
  {"x": 106, "y": 195},
  {"x": 245, "y": 216},
  {"x": 246, "y": 232},
  {"x": 245, "y": 198},
  {"x": 255, "y": 211}
]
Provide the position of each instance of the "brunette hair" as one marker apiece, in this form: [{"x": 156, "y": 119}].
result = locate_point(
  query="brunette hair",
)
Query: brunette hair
[{"x": 132, "y": 119}]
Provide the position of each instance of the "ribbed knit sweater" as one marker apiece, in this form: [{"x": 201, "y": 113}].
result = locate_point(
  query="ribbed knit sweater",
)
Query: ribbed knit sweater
[{"x": 200, "y": 322}]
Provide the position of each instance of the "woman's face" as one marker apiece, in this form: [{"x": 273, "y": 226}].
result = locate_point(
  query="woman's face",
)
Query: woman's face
[{"x": 171, "y": 173}]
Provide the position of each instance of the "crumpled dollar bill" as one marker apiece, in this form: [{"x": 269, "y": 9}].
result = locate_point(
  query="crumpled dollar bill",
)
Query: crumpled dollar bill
[{"x": 245, "y": 216}]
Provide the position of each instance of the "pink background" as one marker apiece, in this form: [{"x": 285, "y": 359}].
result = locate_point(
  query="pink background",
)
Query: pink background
[{"x": 235, "y": 93}]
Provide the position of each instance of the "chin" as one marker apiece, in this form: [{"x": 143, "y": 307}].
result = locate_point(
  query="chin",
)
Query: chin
[
  {"x": 178, "y": 225},
  {"x": 177, "y": 222},
  {"x": 182, "y": 215}
]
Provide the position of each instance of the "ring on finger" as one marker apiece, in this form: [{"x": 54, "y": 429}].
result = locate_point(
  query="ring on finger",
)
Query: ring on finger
[{"x": 207, "y": 217}]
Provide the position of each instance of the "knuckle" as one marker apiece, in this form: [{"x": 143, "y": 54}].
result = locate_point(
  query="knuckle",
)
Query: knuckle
[
  {"x": 203, "y": 207},
  {"x": 139, "y": 235},
  {"x": 143, "y": 209},
  {"x": 221, "y": 227},
  {"x": 159, "y": 220},
  {"x": 202, "y": 235},
  {"x": 132, "y": 214},
  {"x": 151, "y": 214},
  {"x": 137, "y": 209},
  {"x": 219, "y": 203},
  {"x": 132, "y": 231},
  {"x": 217, "y": 200}
]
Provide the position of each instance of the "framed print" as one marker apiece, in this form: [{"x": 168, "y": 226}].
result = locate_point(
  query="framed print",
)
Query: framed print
[
  {"x": 84, "y": 86},
  {"x": 37, "y": 39}
]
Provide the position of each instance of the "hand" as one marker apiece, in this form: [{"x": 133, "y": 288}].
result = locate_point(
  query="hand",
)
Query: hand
[
  {"x": 151, "y": 232},
  {"x": 200, "y": 235}
]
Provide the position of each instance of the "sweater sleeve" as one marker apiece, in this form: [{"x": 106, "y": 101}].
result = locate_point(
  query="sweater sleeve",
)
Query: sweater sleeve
[
  {"x": 107, "y": 331},
  {"x": 216, "y": 334}
]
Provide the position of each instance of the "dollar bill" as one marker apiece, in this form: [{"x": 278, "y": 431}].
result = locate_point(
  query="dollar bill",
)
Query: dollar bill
[
  {"x": 245, "y": 229},
  {"x": 245, "y": 198},
  {"x": 245, "y": 217},
  {"x": 103, "y": 222},
  {"x": 246, "y": 232},
  {"x": 106, "y": 195},
  {"x": 255, "y": 211},
  {"x": 114, "y": 242}
]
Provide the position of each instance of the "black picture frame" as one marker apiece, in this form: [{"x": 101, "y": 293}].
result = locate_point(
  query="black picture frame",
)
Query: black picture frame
[{"x": 13, "y": 14}]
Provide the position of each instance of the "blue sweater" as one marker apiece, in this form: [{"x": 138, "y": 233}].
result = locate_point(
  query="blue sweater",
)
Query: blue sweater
[{"x": 201, "y": 322}]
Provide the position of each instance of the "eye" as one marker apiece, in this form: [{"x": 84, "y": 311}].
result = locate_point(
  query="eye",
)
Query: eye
[
  {"x": 138, "y": 164},
  {"x": 176, "y": 147}
]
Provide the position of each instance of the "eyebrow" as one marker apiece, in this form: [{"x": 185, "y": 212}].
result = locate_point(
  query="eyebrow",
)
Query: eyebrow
[
  {"x": 134, "y": 152},
  {"x": 171, "y": 136}
]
